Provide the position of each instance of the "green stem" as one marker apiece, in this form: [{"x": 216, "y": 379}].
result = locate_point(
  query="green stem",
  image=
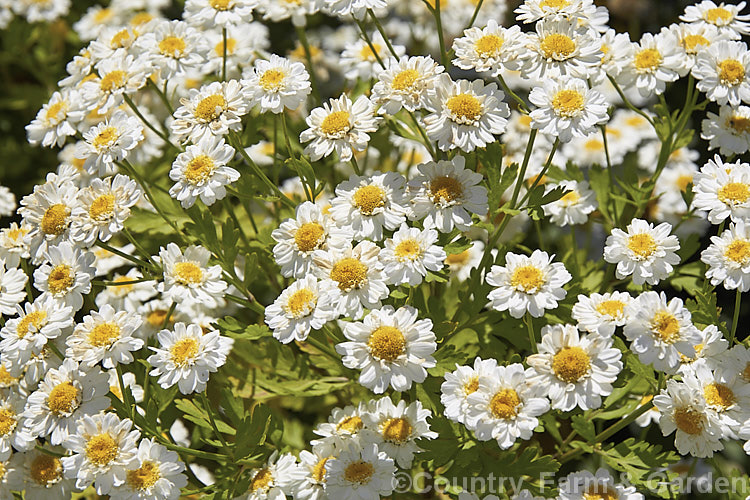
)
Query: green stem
[
  {"x": 308, "y": 55},
  {"x": 224, "y": 50},
  {"x": 530, "y": 326},
  {"x": 382, "y": 33},
  {"x": 355, "y": 165},
  {"x": 363, "y": 30},
  {"x": 628, "y": 104},
  {"x": 210, "y": 411},
  {"x": 735, "y": 320},
  {"x": 476, "y": 13},
  {"x": 135, "y": 260},
  {"x": 509, "y": 91},
  {"x": 162, "y": 94},
  {"x": 161, "y": 134},
  {"x": 541, "y": 175}
]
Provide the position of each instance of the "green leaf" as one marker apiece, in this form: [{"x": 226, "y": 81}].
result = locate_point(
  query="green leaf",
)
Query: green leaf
[
  {"x": 584, "y": 426},
  {"x": 637, "y": 458}
]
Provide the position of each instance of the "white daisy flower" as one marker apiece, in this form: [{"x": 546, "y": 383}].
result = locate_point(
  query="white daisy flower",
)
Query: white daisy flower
[
  {"x": 410, "y": 253},
  {"x": 533, "y": 10},
  {"x": 214, "y": 109},
  {"x": 27, "y": 334},
  {"x": 395, "y": 429},
  {"x": 655, "y": 61},
  {"x": 187, "y": 356},
  {"x": 47, "y": 212},
  {"x": 574, "y": 370},
  {"x": 567, "y": 108},
  {"x": 12, "y": 288},
  {"x": 694, "y": 38},
  {"x": 158, "y": 475},
  {"x": 712, "y": 351},
  {"x": 722, "y": 190},
  {"x": 102, "y": 209},
  {"x": 465, "y": 114},
  {"x": 462, "y": 383},
  {"x": 128, "y": 379},
  {"x": 574, "y": 206},
  {"x": 311, "y": 483},
  {"x": 275, "y": 480},
  {"x": 367, "y": 205},
  {"x": 112, "y": 41},
  {"x": 125, "y": 295},
  {"x": 729, "y": 130},
  {"x": 532, "y": 284},
  {"x": 359, "y": 62},
  {"x": 343, "y": 426},
  {"x": 103, "y": 451},
  {"x": 66, "y": 275},
  {"x": 105, "y": 336},
  {"x": 561, "y": 47},
  {"x": 297, "y": 11},
  {"x": 492, "y": 48},
  {"x": 64, "y": 396},
  {"x": 505, "y": 407},
  {"x": 445, "y": 193},
  {"x": 245, "y": 43},
  {"x": 174, "y": 48},
  {"x": 584, "y": 485},
  {"x": 46, "y": 11},
  {"x": 109, "y": 142},
  {"x": 728, "y": 258},
  {"x": 188, "y": 278},
  {"x": 13, "y": 432},
  {"x": 57, "y": 119},
  {"x": 659, "y": 331},
  {"x": 734, "y": 362},
  {"x": 360, "y": 472},
  {"x": 202, "y": 171},
  {"x": 356, "y": 276},
  {"x": 723, "y": 72},
  {"x": 120, "y": 75},
  {"x": 277, "y": 84},
  {"x": 461, "y": 264},
  {"x": 301, "y": 307},
  {"x": 340, "y": 126},
  {"x": 96, "y": 19},
  {"x": 41, "y": 476},
  {"x": 224, "y": 13},
  {"x": 682, "y": 409},
  {"x": 356, "y": 8},
  {"x": 601, "y": 313},
  {"x": 13, "y": 244},
  {"x": 406, "y": 83},
  {"x": 725, "y": 17},
  {"x": 154, "y": 314},
  {"x": 391, "y": 347},
  {"x": 644, "y": 251},
  {"x": 617, "y": 50}
]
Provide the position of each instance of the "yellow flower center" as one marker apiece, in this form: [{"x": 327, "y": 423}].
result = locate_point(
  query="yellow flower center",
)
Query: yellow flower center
[
  {"x": 643, "y": 245},
  {"x": 718, "y": 16},
  {"x": 488, "y": 45},
  {"x": 102, "y": 449},
  {"x": 63, "y": 399},
  {"x": 647, "y": 60},
  {"x": 8, "y": 422},
  {"x": 692, "y": 43},
  {"x": 719, "y": 395},
  {"x": 553, "y": 4},
  {"x": 319, "y": 471},
  {"x": 188, "y": 273},
  {"x": 32, "y": 322},
  {"x": 387, "y": 343},
  {"x": 54, "y": 109},
  {"x": 368, "y": 198},
  {"x": 396, "y": 430},
  {"x": 731, "y": 72},
  {"x": 272, "y": 79},
  {"x": 46, "y": 469},
  {"x": 184, "y": 351},
  {"x": 60, "y": 279},
  {"x": 593, "y": 145},
  {"x": 103, "y": 207},
  {"x": 144, "y": 477},
  {"x": 600, "y": 492},
  {"x": 6, "y": 380},
  {"x": 55, "y": 219},
  {"x": 106, "y": 137},
  {"x": 611, "y": 308},
  {"x": 113, "y": 80},
  {"x": 120, "y": 39},
  {"x": 104, "y": 334},
  {"x": 504, "y": 404},
  {"x": 199, "y": 169},
  {"x": 172, "y": 46},
  {"x": 220, "y": 4},
  {"x": 408, "y": 249},
  {"x": 738, "y": 251},
  {"x": 527, "y": 279},
  {"x": 405, "y": 79},
  {"x": 570, "y": 364},
  {"x": 141, "y": 18},
  {"x": 156, "y": 317},
  {"x": 210, "y": 107},
  {"x": 336, "y": 123},
  {"x": 367, "y": 54},
  {"x": 349, "y": 273},
  {"x": 445, "y": 189},
  {"x": 231, "y": 47},
  {"x": 684, "y": 181},
  {"x": 688, "y": 420},
  {"x": 570, "y": 198},
  {"x": 350, "y": 424},
  {"x": 458, "y": 259},
  {"x": 739, "y": 124},
  {"x": 464, "y": 108},
  {"x": 665, "y": 327},
  {"x": 309, "y": 236},
  {"x": 471, "y": 386},
  {"x": 301, "y": 302},
  {"x": 734, "y": 192},
  {"x": 568, "y": 102},
  {"x": 262, "y": 481},
  {"x": 557, "y": 46},
  {"x": 359, "y": 472}
]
